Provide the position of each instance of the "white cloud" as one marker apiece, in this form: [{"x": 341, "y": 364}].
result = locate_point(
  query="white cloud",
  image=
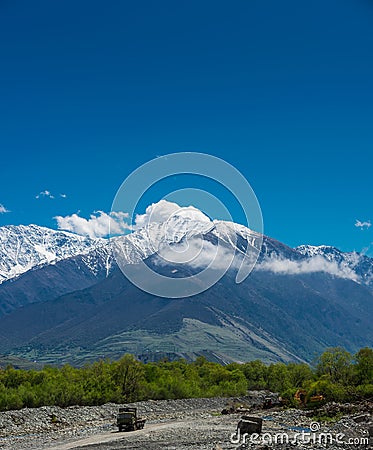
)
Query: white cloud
[
  {"x": 100, "y": 224},
  {"x": 198, "y": 253},
  {"x": 311, "y": 265},
  {"x": 3, "y": 209},
  {"x": 163, "y": 210},
  {"x": 362, "y": 225},
  {"x": 44, "y": 194},
  {"x": 48, "y": 194}
]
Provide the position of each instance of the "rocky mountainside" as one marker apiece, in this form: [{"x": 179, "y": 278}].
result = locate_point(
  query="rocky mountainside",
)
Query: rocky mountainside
[
  {"x": 45, "y": 283},
  {"x": 38, "y": 264},
  {"x": 72, "y": 303},
  {"x": 269, "y": 316},
  {"x": 23, "y": 248}
]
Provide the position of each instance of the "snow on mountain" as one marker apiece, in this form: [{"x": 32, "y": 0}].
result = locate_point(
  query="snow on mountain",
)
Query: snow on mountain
[
  {"x": 146, "y": 241},
  {"x": 360, "y": 264},
  {"x": 274, "y": 256},
  {"x": 24, "y": 247},
  {"x": 326, "y": 251}
]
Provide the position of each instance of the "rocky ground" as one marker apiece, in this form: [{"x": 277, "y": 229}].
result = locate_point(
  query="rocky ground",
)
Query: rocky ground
[{"x": 186, "y": 424}]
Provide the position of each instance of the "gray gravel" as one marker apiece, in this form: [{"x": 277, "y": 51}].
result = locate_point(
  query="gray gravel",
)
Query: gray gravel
[{"x": 194, "y": 424}]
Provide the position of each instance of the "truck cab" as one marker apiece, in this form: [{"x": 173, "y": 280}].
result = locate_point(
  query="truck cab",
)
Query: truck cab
[{"x": 127, "y": 420}]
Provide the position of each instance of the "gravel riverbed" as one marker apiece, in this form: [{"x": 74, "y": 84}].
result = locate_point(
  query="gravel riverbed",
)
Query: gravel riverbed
[{"x": 194, "y": 424}]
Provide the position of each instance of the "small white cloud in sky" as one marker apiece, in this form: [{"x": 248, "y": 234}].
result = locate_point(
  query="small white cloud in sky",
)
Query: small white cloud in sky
[
  {"x": 3, "y": 209},
  {"x": 44, "y": 194},
  {"x": 363, "y": 225},
  {"x": 63, "y": 195},
  {"x": 99, "y": 224}
]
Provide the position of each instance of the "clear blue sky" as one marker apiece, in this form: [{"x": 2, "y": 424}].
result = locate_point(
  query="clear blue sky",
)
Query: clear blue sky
[{"x": 282, "y": 90}]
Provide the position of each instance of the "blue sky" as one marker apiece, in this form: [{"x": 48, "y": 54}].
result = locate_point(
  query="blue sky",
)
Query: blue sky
[{"x": 282, "y": 90}]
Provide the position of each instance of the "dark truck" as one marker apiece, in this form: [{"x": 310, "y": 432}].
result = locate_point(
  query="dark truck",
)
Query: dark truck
[
  {"x": 127, "y": 420},
  {"x": 250, "y": 425}
]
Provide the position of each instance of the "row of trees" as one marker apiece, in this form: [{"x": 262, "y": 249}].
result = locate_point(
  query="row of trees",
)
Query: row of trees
[{"x": 337, "y": 375}]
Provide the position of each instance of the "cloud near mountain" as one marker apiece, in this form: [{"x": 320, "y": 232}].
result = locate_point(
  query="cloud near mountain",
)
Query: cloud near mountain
[
  {"x": 198, "y": 253},
  {"x": 185, "y": 244},
  {"x": 312, "y": 265},
  {"x": 100, "y": 224},
  {"x": 164, "y": 210}
]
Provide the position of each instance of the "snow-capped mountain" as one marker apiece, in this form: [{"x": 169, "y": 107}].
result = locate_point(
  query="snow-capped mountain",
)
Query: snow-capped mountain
[
  {"x": 147, "y": 240},
  {"x": 358, "y": 263},
  {"x": 64, "y": 291},
  {"x": 274, "y": 256},
  {"x": 26, "y": 247}
]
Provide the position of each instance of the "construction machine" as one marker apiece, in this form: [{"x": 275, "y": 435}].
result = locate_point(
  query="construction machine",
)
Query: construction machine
[{"x": 303, "y": 399}]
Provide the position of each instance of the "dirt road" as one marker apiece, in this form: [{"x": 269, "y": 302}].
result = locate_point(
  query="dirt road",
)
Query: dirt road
[
  {"x": 206, "y": 433},
  {"x": 123, "y": 439}
]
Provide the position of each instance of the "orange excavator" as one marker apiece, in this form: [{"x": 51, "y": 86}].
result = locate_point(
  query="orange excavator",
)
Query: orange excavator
[{"x": 303, "y": 399}]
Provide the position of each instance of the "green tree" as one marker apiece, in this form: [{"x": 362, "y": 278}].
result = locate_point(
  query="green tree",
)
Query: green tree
[
  {"x": 335, "y": 363},
  {"x": 299, "y": 374},
  {"x": 278, "y": 379},
  {"x": 331, "y": 391},
  {"x": 364, "y": 366},
  {"x": 256, "y": 374},
  {"x": 128, "y": 375}
]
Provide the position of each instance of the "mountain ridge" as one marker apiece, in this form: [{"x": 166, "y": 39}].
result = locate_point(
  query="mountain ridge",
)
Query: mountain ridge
[
  {"x": 295, "y": 302},
  {"x": 26, "y": 247}
]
